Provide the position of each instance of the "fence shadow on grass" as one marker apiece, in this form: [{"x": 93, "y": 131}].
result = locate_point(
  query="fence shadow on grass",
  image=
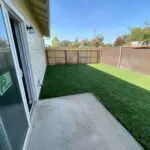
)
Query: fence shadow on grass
[{"x": 129, "y": 103}]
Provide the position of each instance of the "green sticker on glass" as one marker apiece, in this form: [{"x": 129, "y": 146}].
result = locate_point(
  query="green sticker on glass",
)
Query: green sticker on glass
[{"x": 5, "y": 83}]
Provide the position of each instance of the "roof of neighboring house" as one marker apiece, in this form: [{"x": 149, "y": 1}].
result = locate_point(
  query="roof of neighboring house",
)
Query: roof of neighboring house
[{"x": 40, "y": 10}]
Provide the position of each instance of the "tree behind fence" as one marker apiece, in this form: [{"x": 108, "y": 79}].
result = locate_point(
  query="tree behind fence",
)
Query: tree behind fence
[{"x": 123, "y": 57}]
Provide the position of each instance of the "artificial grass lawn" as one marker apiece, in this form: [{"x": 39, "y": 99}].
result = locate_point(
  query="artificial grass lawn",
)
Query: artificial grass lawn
[{"x": 126, "y": 94}]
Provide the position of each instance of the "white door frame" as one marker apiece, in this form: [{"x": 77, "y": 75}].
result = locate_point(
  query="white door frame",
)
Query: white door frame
[
  {"x": 25, "y": 56},
  {"x": 17, "y": 14},
  {"x": 15, "y": 59}
]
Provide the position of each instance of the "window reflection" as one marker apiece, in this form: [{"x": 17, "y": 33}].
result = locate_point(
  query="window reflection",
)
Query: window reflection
[{"x": 12, "y": 113}]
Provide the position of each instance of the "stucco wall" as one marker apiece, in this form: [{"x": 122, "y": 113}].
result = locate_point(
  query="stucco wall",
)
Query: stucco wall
[
  {"x": 37, "y": 54},
  {"x": 35, "y": 44}
]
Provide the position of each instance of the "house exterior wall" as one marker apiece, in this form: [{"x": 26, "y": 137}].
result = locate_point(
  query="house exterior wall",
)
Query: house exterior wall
[
  {"x": 35, "y": 44},
  {"x": 37, "y": 54}
]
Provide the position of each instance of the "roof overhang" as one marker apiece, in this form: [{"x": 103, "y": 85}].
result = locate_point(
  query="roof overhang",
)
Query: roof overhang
[{"x": 40, "y": 10}]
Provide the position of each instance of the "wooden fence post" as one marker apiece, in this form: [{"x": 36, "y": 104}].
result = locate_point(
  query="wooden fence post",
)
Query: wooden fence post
[
  {"x": 100, "y": 55},
  {"x": 77, "y": 57},
  {"x": 65, "y": 56},
  {"x": 46, "y": 56},
  {"x": 120, "y": 54}
]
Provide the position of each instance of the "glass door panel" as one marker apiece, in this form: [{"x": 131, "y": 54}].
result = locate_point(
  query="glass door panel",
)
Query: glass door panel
[{"x": 13, "y": 120}]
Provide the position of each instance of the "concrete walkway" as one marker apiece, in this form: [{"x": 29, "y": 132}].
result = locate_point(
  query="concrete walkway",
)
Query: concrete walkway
[{"x": 77, "y": 122}]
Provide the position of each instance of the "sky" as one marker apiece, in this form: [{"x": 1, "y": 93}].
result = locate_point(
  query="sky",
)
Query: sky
[
  {"x": 72, "y": 19},
  {"x": 2, "y": 27}
]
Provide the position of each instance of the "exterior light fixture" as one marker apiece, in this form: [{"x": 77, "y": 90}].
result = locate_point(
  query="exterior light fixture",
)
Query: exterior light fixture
[{"x": 30, "y": 29}]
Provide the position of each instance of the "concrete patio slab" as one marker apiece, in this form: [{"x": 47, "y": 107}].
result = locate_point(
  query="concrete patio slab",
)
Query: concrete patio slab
[{"x": 78, "y": 122}]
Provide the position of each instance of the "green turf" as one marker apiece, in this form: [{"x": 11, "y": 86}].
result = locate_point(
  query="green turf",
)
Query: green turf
[{"x": 126, "y": 94}]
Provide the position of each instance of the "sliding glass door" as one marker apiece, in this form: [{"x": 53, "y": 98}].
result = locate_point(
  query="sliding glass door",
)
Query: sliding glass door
[{"x": 13, "y": 120}]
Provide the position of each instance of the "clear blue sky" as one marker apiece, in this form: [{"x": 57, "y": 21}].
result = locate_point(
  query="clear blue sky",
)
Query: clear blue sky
[
  {"x": 111, "y": 18},
  {"x": 2, "y": 27}
]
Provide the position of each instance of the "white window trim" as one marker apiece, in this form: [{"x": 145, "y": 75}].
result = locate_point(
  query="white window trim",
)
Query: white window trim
[{"x": 26, "y": 47}]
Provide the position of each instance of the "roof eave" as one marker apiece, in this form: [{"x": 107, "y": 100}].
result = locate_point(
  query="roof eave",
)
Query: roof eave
[{"x": 40, "y": 9}]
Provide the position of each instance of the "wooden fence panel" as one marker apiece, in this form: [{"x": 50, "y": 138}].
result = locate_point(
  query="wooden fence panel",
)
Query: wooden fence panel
[
  {"x": 134, "y": 59},
  {"x": 110, "y": 55},
  {"x": 72, "y": 57}
]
